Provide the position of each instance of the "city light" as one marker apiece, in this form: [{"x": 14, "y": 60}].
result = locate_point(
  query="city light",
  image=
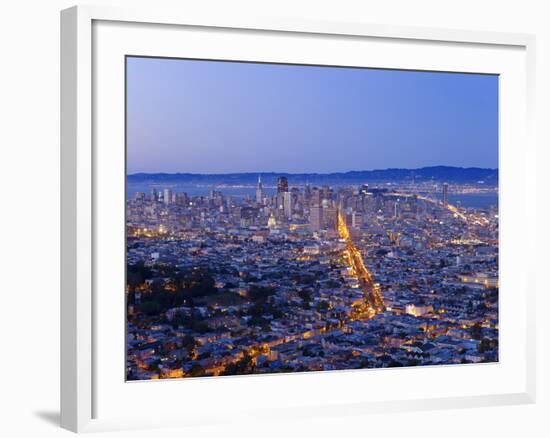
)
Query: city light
[{"x": 300, "y": 277}]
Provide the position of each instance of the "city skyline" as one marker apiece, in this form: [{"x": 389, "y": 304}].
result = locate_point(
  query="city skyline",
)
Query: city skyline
[
  {"x": 311, "y": 278},
  {"x": 183, "y": 113}
]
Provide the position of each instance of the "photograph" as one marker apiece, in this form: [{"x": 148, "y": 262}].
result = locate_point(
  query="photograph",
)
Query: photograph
[
  {"x": 275, "y": 219},
  {"x": 285, "y": 218}
]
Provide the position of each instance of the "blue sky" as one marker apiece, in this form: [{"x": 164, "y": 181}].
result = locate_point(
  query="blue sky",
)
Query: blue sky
[{"x": 222, "y": 117}]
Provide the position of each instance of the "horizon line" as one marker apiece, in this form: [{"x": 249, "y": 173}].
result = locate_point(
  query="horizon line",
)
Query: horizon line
[{"x": 309, "y": 173}]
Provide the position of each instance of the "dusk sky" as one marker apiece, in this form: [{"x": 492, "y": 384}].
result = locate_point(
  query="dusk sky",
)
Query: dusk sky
[{"x": 225, "y": 117}]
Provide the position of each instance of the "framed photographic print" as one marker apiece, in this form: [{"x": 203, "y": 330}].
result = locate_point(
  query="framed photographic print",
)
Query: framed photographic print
[{"x": 258, "y": 208}]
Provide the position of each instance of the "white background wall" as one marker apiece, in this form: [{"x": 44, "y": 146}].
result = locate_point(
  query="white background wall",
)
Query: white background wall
[{"x": 29, "y": 218}]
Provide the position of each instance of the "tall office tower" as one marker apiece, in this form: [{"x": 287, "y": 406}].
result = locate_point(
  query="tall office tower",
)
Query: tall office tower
[
  {"x": 216, "y": 198},
  {"x": 344, "y": 194},
  {"x": 413, "y": 203},
  {"x": 154, "y": 194},
  {"x": 167, "y": 196},
  {"x": 316, "y": 218},
  {"x": 356, "y": 220},
  {"x": 396, "y": 208},
  {"x": 330, "y": 218},
  {"x": 279, "y": 201},
  {"x": 139, "y": 196},
  {"x": 282, "y": 184},
  {"x": 362, "y": 197},
  {"x": 445, "y": 194},
  {"x": 288, "y": 204},
  {"x": 181, "y": 198},
  {"x": 378, "y": 202},
  {"x": 348, "y": 217},
  {"x": 259, "y": 191},
  {"x": 326, "y": 193},
  {"x": 297, "y": 200},
  {"x": 307, "y": 193},
  {"x": 248, "y": 214},
  {"x": 315, "y": 200}
]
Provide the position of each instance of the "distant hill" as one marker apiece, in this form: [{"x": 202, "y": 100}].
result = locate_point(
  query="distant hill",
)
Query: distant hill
[{"x": 435, "y": 173}]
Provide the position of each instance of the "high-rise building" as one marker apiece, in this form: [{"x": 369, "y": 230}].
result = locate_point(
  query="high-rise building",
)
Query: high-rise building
[
  {"x": 348, "y": 217},
  {"x": 378, "y": 202},
  {"x": 445, "y": 194},
  {"x": 282, "y": 184},
  {"x": 413, "y": 203},
  {"x": 316, "y": 218},
  {"x": 396, "y": 209},
  {"x": 216, "y": 198},
  {"x": 288, "y": 204},
  {"x": 345, "y": 198},
  {"x": 315, "y": 199},
  {"x": 259, "y": 191},
  {"x": 330, "y": 218},
  {"x": 181, "y": 198},
  {"x": 356, "y": 219},
  {"x": 249, "y": 213},
  {"x": 326, "y": 193},
  {"x": 307, "y": 193},
  {"x": 167, "y": 196}
]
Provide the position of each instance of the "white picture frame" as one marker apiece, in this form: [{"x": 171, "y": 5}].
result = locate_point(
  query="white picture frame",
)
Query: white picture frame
[{"x": 81, "y": 339}]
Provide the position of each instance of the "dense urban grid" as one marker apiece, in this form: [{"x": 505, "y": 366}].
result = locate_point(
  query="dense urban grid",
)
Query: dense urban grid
[{"x": 309, "y": 278}]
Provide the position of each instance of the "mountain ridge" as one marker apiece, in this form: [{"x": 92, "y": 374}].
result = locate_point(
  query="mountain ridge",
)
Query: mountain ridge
[{"x": 434, "y": 173}]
